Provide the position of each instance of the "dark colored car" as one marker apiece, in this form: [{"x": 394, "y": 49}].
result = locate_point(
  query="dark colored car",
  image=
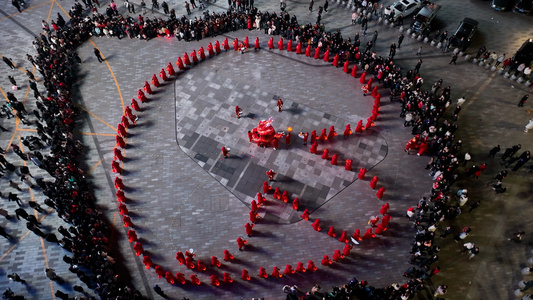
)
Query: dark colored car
[
  {"x": 523, "y": 6},
  {"x": 502, "y": 5},
  {"x": 525, "y": 53},
  {"x": 466, "y": 30}
]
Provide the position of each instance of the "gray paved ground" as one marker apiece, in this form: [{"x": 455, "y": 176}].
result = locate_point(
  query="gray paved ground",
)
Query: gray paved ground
[{"x": 176, "y": 205}]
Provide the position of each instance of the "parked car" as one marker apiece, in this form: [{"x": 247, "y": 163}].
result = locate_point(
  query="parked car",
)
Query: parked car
[
  {"x": 405, "y": 7},
  {"x": 502, "y": 5},
  {"x": 525, "y": 53},
  {"x": 466, "y": 30},
  {"x": 423, "y": 18},
  {"x": 523, "y": 6}
]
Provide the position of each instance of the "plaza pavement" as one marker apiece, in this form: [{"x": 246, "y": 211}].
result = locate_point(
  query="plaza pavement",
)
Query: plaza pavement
[{"x": 178, "y": 203}]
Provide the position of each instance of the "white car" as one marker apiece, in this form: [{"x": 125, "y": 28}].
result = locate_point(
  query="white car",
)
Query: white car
[{"x": 405, "y": 7}]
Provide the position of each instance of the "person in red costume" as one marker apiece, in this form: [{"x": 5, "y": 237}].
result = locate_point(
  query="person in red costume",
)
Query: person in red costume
[
  {"x": 337, "y": 255},
  {"x": 373, "y": 221},
  {"x": 118, "y": 154},
  {"x": 326, "y": 261},
  {"x": 169, "y": 277},
  {"x": 336, "y": 60},
  {"x": 147, "y": 88},
  {"x": 380, "y": 192},
  {"x": 215, "y": 262},
  {"x": 331, "y": 232},
  {"x": 326, "y": 56},
  {"x": 225, "y": 152},
  {"x": 347, "y": 131},
  {"x": 180, "y": 278},
  {"x": 195, "y": 280},
  {"x": 362, "y": 173},
  {"x": 300, "y": 268},
  {"x": 344, "y": 237},
  {"x": 141, "y": 96},
  {"x": 368, "y": 234},
  {"x": 119, "y": 185},
  {"x": 159, "y": 271},
  {"x": 163, "y": 74},
  {"x": 241, "y": 243},
  {"x": 316, "y": 225},
  {"x": 228, "y": 256},
  {"x": 245, "y": 275},
  {"x": 295, "y": 203},
  {"x": 180, "y": 257},
  {"x": 276, "y": 273},
  {"x": 186, "y": 61},
  {"x": 323, "y": 135},
  {"x": 277, "y": 193},
  {"x": 288, "y": 270},
  {"x": 266, "y": 187},
  {"x": 357, "y": 235},
  {"x": 249, "y": 228},
  {"x": 374, "y": 182},
  {"x": 256, "y": 44},
  {"x": 288, "y": 139},
  {"x": 200, "y": 266},
  {"x": 116, "y": 167},
  {"x": 262, "y": 273},
  {"x": 346, "y": 67},
  {"x": 305, "y": 215},
  {"x": 334, "y": 159},
  {"x": 170, "y": 70},
  {"x": 280, "y": 43},
  {"x": 306, "y": 135},
  {"x": 123, "y": 210},
  {"x": 138, "y": 247},
  {"x": 279, "y": 104},
  {"x": 289, "y": 46},
  {"x": 238, "y": 111},
  {"x": 299, "y": 48},
  {"x": 325, "y": 154},
  {"x": 271, "y": 43},
  {"x": 260, "y": 199},
  {"x": 210, "y": 49},
  {"x": 311, "y": 266},
  {"x": 147, "y": 261},
  {"x": 384, "y": 208},
  {"x": 194, "y": 58},
  {"x": 155, "y": 81},
  {"x": 359, "y": 128},
  {"x": 348, "y": 165},
  {"x": 308, "y": 51},
  {"x": 121, "y": 130},
  {"x": 125, "y": 122},
  {"x": 132, "y": 236},
  {"x": 346, "y": 250},
  {"x": 201, "y": 52},
  {"x": 253, "y": 216},
  {"x": 285, "y": 196},
  {"x": 226, "y": 278}
]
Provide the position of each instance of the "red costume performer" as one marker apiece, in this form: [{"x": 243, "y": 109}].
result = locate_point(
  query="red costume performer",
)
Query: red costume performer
[
  {"x": 169, "y": 277},
  {"x": 337, "y": 255},
  {"x": 289, "y": 46},
  {"x": 346, "y": 250},
  {"x": 354, "y": 71},
  {"x": 285, "y": 196},
  {"x": 121, "y": 130},
  {"x": 288, "y": 270},
  {"x": 368, "y": 234},
  {"x": 236, "y": 44},
  {"x": 361, "y": 174},
  {"x": 262, "y": 273},
  {"x": 241, "y": 243},
  {"x": 210, "y": 49},
  {"x": 200, "y": 266},
  {"x": 147, "y": 261},
  {"x": 217, "y": 47},
  {"x": 326, "y": 55},
  {"x": 226, "y": 278},
  {"x": 306, "y": 136},
  {"x": 336, "y": 60},
  {"x": 311, "y": 266},
  {"x": 280, "y": 43},
  {"x": 124, "y": 121},
  {"x": 331, "y": 232},
  {"x": 266, "y": 187},
  {"x": 159, "y": 271},
  {"x": 357, "y": 235},
  {"x": 253, "y": 216},
  {"x": 326, "y": 261},
  {"x": 260, "y": 199},
  {"x": 271, "y": 43},
  {"x": 374, "y": 182},
  {"x": 180, "y": 278},
  {"x": 225, "y": 152},
  {"x": 276, "y": 273},
  {"x": 295, "y": 203},
  {"x": 380, "y": 192},
  {"x": 346, "y": 67},
  {"x": 374, "y": 92},
  {"x": 385, "y": 220},
  {"x": 314, "y": 148},
  {"x": 155, "y": 81},
  {"x": 288, "y": 139},
  {"x": 201, "y": 52},
  {"x": 359, "y": 128},
  {"x": 186, "y": 60},
  {"x": 138, "y": 247},
  {"x": 215, "y": 262},
  {"x": 384, "y": 208},
  {"x": 334, "y": 159},
  {"x": 225, "y": 44},
  {"x": 147, "y": 88},
  {"x": 305, "y": 215},
  {"x": 238, "y": 112},
  {"x": 300, "y": 268},
  {"x": 170, "y": 70},
  {"x": 195, "y": 280},
  {"x": 347, "y": 131},
  {"x": 317, "y": 53},
  {"x": 299, "y": 48},
  {"x": 254, "y": 205},
  {"x": 163, "y": 74},
  {"x": 256, "y": 44},
  {"x": 369, "y": 122},
  {"x": 132, "y": 236},
  {"x": 180, "y": 257},
  {"x": 277, "y": 193},
  {"x": 380, "y": 229},
  {"x": 332, "y": 133},
  {"x": 323, "y": 135},
  {"x": 123, "y": 210},
  {"x": 118, "y": 154},
  {"x": 348, "y": 165},
  {"x": 249, "y": 230},
  {"x": 308, "y": 51},
  {"x": 325, "y": 154},
  {"x": 362, "y": 79},
  {"x": 245, "y": 275},
  {"x": 135, "y": 105},
  {"x": 279, "y": 104},
  {"x": 344, "y": 237},
  {"x": 313, "y": 136},
  {"x": 120, "y": 196},
  {"x": 116, "y": 167},
  {"x": 141, "y": 96},
  {"x": 373, "y": 221},
  {"x": 214, "y": 280},
  {"x": 316, "y": 225},
  {"x": 275, "y": 143},
  {"x": 227, "y": 256},
  {"x": 189, "y": 263},
  {"x": 118, "y": 183},
  {"x": 194, "y": 57}
]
